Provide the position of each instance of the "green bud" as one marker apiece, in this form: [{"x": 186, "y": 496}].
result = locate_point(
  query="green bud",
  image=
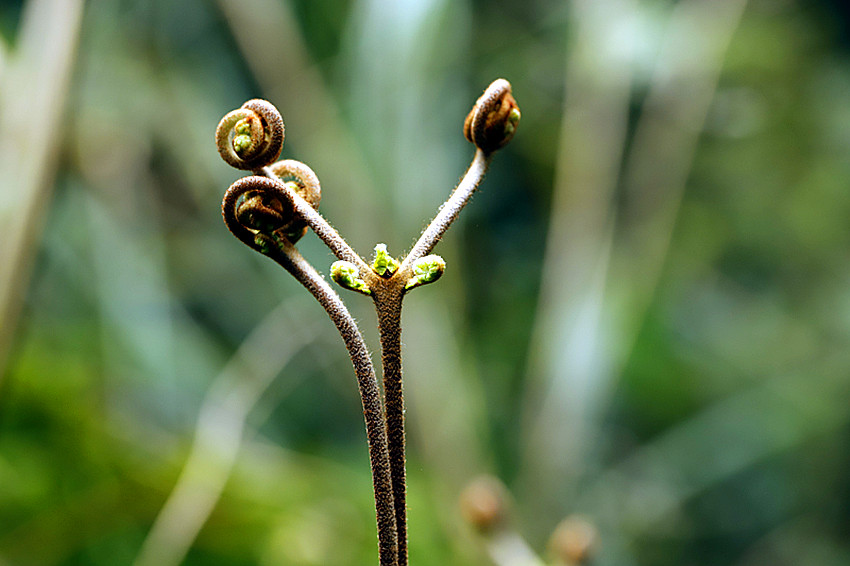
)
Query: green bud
[
  {"x": 241, "y": 143},
  {"x": 346, "y": 274},
  {"x": 426, "y": 270},
  {"x": 384, "y": 264},
  {"x": 263, "y": 243},
  {"x": 243, "y": 127},
  {"x": 242, "y": 139},
  {"x": 512, "y": 121}
]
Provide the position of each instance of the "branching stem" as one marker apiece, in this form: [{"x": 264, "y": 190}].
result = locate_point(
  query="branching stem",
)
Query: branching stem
[
  {"x": 380, "y": 459},
  {"x": 275, "y": 212},
  {"x": 286, "y": 255},
  {"x": 387, "y": 293}
]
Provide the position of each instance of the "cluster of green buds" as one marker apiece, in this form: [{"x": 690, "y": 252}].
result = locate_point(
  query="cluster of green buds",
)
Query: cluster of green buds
[{"x": 421, "y": 272}]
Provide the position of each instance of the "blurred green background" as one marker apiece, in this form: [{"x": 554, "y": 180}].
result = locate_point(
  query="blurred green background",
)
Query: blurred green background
[{"x": 645, "y": 319}]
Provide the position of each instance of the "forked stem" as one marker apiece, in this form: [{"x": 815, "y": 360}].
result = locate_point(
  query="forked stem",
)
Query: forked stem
[
  {"x": 388, "y": 294},
  {"x": 379, "y": 456},
  {"x": 286, "y": 255}
]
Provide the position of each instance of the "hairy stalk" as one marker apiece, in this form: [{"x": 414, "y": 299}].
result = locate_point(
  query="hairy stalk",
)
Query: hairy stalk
[
  {"x": 380, "y": 459},
  {"x": 388, "y": 300},
  {"x": 286, "y": 255},
  {"x": 489, "y": 126},
  {"x": 387, "y": 295},
  {"x": 450, "y": 210},
  {"x": 317, "y": 222}
]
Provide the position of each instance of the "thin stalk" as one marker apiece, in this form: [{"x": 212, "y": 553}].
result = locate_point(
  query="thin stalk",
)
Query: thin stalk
[
  {"x": 40, "y": 66},
  {"x": 285, "y": 254},
  {"x": 388, "y": 307},
  {"x": 317, "y": 222},
  {"x": 450, "y": 210},
  {"x": 388, "y": 294},
  {"x": 291, "y": 260}
]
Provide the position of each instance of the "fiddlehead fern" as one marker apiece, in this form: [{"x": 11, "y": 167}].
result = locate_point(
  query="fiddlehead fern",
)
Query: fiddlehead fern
[
  {"x": 493, "y": 120},
  {"x": 250, "y": 137},
  {"x": 305, "y": 183},
  {"x": 292, "y": 171},
  {"x": 260, "y": 205},
  {"x": 271, "y": 210},
  {"x": 269, "y": 213}
]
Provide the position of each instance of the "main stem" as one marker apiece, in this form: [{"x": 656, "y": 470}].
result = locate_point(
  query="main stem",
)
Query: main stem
[
  {"x": 380, "y": 459},
  {"x": 388, "y": 307},
  {"x": 388, "y": 294}
]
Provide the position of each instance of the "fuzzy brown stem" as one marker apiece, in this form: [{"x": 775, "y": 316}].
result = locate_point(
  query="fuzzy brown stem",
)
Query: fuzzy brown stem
[
  {"x": 316, "y": 221},
  {"x": 381, "y": 460},
  {"x": 388, "y": 307},
  {"x": 451, "y": 208},
  {"x": 285, "y": 254}
]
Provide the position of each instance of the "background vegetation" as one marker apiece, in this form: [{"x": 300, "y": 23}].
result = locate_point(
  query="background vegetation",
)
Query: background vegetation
[{"x": 645, "y": 317}]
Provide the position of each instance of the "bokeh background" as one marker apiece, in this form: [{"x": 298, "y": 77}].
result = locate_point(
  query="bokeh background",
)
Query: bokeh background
[{"x": 645, "y": 320}]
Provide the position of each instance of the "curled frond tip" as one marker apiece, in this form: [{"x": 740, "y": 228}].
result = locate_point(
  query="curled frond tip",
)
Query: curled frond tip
[
  {"x": 259, "y": 206},
  {"x": 251, "y": 137},
  {"x": 491, "y": 123},
  {"x": 304, "y": 181}
]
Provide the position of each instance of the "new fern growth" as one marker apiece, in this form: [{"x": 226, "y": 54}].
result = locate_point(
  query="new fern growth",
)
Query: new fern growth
[{"x": 272, "y": 209}]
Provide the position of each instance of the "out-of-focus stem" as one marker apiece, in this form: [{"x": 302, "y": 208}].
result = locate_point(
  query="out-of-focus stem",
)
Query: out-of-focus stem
[
  {"x": 665, "y": 142},
  {"x": 218, "y": 438},
  {"x": 36, "y": 78},
  {"x": 508, "y": 548}
]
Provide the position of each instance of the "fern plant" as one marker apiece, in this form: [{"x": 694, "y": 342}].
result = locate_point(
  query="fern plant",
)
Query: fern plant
[{"x": 273, "y": 208}]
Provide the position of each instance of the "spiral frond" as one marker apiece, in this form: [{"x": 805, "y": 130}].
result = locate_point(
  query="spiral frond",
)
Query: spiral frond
[
  {"x": 491, "y": 123},
  {"x": 250, "y": 137},
  {"x": 305, "y": 182},
  {"x": 292, "y": 171}
]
